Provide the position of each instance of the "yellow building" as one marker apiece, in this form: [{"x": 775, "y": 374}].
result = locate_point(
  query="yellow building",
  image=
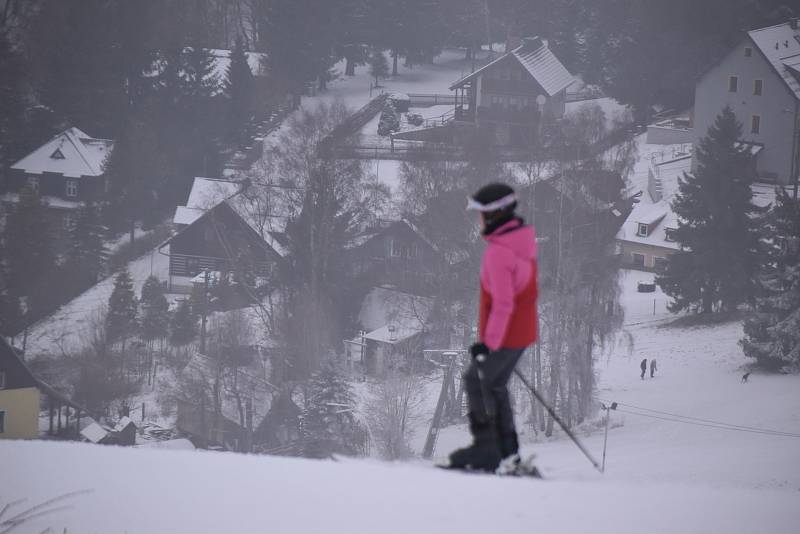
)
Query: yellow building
[{"x": 30, "y": 408}]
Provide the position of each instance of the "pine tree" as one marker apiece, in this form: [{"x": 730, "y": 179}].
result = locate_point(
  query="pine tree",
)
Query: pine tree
[
  {"x": 716, "y": 227},
  {"x": 328, "y": 425},
  {"x": 772, "y": 330},
  {"x": 182, "y": 325},
  {"x": 87, "y": 252},
  {"x": 30, "y": 262},
  {"x": 122, "y": 308},
  {"x": 154, "y": 310},
  {"x": 378, "y": 66},
  {"x": 239, "y": 89}
]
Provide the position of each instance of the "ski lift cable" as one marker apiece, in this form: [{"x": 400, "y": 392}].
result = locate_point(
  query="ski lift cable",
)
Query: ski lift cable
[
  {"x": 708, "y": 421},
  {"x": 720, "y": 427}
]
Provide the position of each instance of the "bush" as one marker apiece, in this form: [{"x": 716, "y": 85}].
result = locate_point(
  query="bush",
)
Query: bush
[
  {"x": 388, "y": 122},
  {"x": 415, "y": 119}
]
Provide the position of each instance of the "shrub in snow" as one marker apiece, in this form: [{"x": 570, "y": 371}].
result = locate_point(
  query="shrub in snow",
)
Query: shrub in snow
[
  {"x": 415, "y": 119},
  {"x": 388, "y": 122},
  {"x": 401, "y": 101}
]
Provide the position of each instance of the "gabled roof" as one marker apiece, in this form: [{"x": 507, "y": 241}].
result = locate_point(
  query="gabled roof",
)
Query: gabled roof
[
  {"x": 392, "y": 316},
  {"x": 538, "y": 60},
  {"x": 72, "y": 153},
  {"x": 206, "y": 193},
  {"x": 780, "y": 44}
]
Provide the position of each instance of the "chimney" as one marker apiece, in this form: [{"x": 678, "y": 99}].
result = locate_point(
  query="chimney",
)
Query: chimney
[{"x": 793, "y": 23}]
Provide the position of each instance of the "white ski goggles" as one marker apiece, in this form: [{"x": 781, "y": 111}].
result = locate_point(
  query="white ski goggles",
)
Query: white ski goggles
[{"x": 498, "y": 204}]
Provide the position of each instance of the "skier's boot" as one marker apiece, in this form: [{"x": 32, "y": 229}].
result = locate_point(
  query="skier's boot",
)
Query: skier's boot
[
  {"x": 484, "y": 453},
  {"x": 509, "y": 451}
]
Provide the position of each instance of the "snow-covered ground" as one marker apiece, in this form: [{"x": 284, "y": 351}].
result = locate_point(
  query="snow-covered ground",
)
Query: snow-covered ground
[
  {"x": 65, "y": 330},
  {"x": 661, "y": 475}
]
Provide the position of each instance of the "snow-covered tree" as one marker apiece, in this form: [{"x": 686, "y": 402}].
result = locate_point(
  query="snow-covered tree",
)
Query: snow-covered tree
[
  {"x": 772, "y": 331},
  {"x": 154, "y": 310},
  {"x": 122, "y": 308},
  {"x": 182, "y": 324},
  {"x": 328, "y": 424},
  {"x": 716, "y": 227},
  {"x": 378, "y": 66},
  {"x": 87, "y": 252},
  {"x": 239, "y": 89}
]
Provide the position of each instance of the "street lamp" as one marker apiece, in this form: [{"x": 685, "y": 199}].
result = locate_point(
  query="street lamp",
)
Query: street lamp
[{"x": 605, "y": 439}]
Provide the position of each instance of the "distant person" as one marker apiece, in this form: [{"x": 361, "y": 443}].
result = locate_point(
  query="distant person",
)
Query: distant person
[
  {"x": 745, "y": 377},
  {"x": 653, "y": 367},
  {"x": 643, "y": 366}
]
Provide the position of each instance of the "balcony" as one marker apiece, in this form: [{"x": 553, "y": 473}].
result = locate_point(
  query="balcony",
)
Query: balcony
[
  {"x": 519, "y": 87},
  {"x": 526, "y": 115}
]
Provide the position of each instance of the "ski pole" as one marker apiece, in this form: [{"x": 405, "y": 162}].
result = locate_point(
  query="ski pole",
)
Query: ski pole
[{"x": 552, "y": 413}]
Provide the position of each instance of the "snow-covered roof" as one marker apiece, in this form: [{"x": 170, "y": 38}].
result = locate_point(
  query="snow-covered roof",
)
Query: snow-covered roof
[
  {"x": 780, "y": 44},
  {"x": 123, "y": 424},
  {"x": 72, "y": 153},
  {"x": 658, "y": 217},
  {"x": 50, "y": 201},
  {"x": 538, "y": 60},
  {"x": 94, "y": 432},
  {"x": 391, "y": 316}
]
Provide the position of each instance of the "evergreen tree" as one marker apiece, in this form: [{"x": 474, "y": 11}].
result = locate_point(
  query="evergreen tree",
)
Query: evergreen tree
[
  {"x": 12, "y": 103},
  {"x": 239, "y": 89},
  {"x": 154, "y": 319},
  {"x": 122, "y": 308},
  {"x": 772, "y": 331},
  {"x": 716, "y": 228},
  {"x": 328, "y": 425},
  {"x": 30, "y": 262},
  {"x": 378, "y": 66},
  {"x": 87, "y": 252},
  {"x": 182, "y": 324}
]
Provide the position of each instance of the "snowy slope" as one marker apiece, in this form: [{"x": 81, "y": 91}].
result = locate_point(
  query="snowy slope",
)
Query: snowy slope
[{"x": 661, "y": 476}]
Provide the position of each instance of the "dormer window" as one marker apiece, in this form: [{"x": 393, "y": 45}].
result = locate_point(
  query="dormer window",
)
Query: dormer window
[
  {"x": 642, "y": 230},
  {"x": 748, "y": 52},
  {"x": 57, "y": 154},
  {"x": 669, "y": 234}
]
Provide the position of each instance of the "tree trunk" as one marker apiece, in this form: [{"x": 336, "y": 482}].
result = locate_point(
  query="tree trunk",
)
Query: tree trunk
[{"x": 394, "y": 62}]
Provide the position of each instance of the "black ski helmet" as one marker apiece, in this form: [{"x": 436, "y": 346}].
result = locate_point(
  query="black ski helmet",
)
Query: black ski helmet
[{"x": 492, "y": 198}]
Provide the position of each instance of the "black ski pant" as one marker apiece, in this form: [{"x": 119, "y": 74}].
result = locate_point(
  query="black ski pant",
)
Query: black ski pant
[{"x": 488, "y": 400}]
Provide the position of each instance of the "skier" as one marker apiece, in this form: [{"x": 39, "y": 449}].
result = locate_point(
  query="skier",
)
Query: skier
[
  {"x": 507, "y": 325},
  {"x": 643, "y": 367},
  {"x": 653, "y": 367}
]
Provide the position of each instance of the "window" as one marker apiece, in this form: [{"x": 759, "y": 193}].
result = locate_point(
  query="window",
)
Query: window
[
  {"x": 2, "y": 379},
  {"x": 72, "y": 188},
  {"x": 57, "y": 154},
  {"x": 2, "y": 422},
  {"x": 638, "y": 259},
  {"x": 669, "y": 234},
  {"x": 755, "y": 124},
  {"x": 758, "y": 87},
  {"x": 748, "y": 52},
  {"x": 641, "y": 230},
  {"x": 659, "y": 263},
  {"x": 733, "y": 84},
  {"x": 192, "y": 266},
  {"x": 413, "y": 250},
  {"x": 33, "y": 184},
  {"x": 394, "y": 248}
]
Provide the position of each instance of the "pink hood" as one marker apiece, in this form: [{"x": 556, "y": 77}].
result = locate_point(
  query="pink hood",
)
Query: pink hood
[{"x": 505, "y": 271}]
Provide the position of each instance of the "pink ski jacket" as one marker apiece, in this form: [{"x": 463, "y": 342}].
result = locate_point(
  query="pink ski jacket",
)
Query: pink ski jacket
[{"x": 507, "y": 315}]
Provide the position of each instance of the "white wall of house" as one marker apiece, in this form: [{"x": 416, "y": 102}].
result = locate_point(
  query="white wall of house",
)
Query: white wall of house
[{"x": 776, "y": 107}]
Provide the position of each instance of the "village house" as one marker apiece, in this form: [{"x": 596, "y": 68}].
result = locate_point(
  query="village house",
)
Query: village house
[
  {"x": 396, "y": 252},
  {"x": 394, "y": 326},
  {"x": 760, "y": 80},
  {"x": 507, "y": 97},
  {"x": 66, "y": 171},
  {"x": 29, "y": 407},
  {"x": 217, "y": 234}
]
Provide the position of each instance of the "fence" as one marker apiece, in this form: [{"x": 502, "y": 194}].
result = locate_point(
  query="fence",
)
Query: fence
[{"x": 422, "y": 100}]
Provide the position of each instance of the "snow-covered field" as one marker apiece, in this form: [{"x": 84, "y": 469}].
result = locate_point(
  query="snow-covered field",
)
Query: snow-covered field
[{"x": 661, "y": 475}]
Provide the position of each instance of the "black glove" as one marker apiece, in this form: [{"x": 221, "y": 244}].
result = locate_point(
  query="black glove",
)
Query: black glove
[{"x": 479, "y": 349}]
